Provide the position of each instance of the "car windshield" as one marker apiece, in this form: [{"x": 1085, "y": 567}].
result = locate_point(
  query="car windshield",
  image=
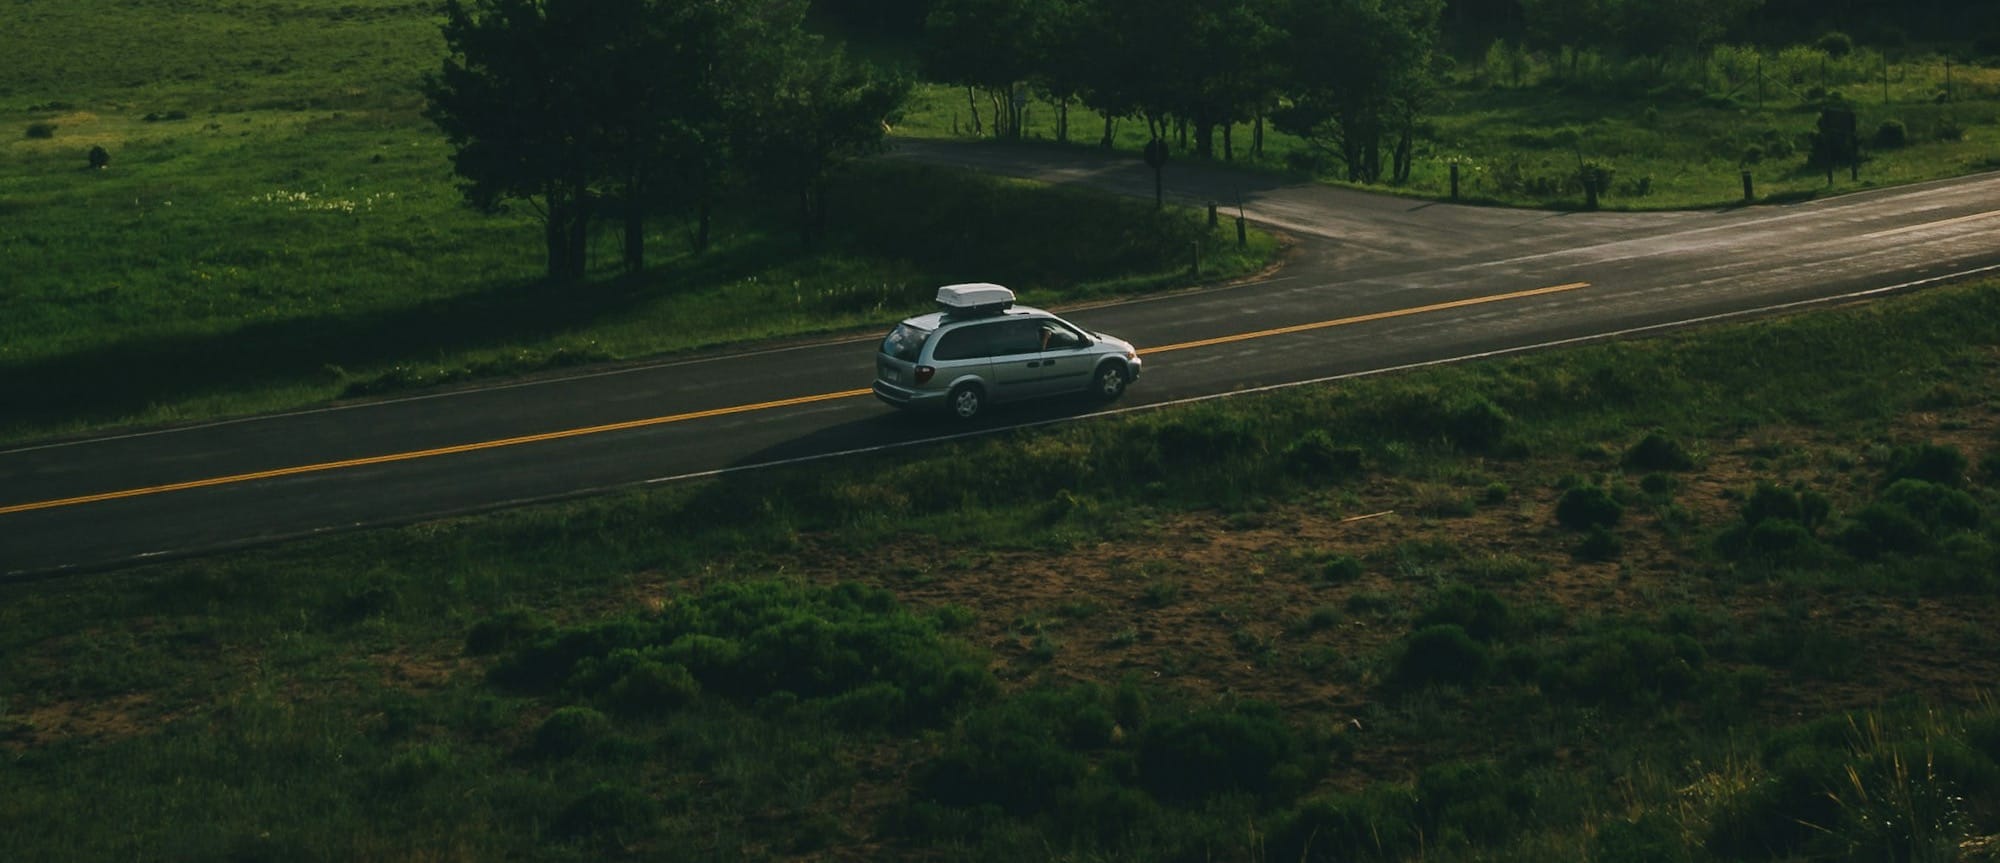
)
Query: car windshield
[{"x": 905, "y": 342}]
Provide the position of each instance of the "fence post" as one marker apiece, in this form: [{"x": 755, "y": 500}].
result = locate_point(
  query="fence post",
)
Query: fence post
[
  {"x": 1749, "y": 190},
  {"x": 1454, "y": 181},
  {"x": 1242, "y": 234},
  {"x": 1211, "y": 215}
]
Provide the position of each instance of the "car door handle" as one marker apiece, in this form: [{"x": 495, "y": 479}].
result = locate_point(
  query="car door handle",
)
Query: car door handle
[{"x": 1035, "y": 364}]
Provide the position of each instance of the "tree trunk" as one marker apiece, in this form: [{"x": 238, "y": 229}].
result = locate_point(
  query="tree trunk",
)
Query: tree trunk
[
  {"x": 552, "y": 229},
  {"x": 1204, "y": 139},
  {"x": 1229, "y": 142},
  {"x": 1109, "y": 128},
  {"x": 579, "y": 237},
  {"x": 635, "y": 226},
  {"x": 1404, "y": 151},
  {"x": 1257, "y": 138},
  {"x": 704, "y": 217},
  {"x": 1062, "y": 120},
  {"x": 972, "y": 104}
]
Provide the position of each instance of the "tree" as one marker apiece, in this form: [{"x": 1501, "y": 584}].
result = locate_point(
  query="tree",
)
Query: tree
[
  {"x": 986, "y": 45},
  {"x": 1361, "y": 70},
  {"x": 517, "y": 102},
  {"x": 1569, "y": 26},
  {"x": 814, "y": 112},
  {"x": 1657, "y": 28}
]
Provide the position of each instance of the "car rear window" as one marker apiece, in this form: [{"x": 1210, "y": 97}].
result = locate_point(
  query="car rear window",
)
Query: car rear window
[{"x": 905, "y": 342}]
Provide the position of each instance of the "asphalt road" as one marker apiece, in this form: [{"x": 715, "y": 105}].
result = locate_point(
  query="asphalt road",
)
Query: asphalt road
[{"x": 1375, "y": 283}]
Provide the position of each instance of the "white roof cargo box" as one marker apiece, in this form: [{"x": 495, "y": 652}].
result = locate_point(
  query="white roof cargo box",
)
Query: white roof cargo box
[{"x": 976, "y": 298}]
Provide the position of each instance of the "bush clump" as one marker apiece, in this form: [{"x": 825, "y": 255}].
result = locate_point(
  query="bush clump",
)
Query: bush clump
[
  {"x": 1891, "y": 135},
  {"x": 749, "y": 640},
  {"x": 1585, "y": 506},
  {"x": 1656, "y": 451},
  {"x": 1441, "y": 654},
  {"x": 1935, "y": 463},
  {"x": 1625, "y": 665},
  {"x": 1214, "y": 751},
  {"x": 505, "y": 630},
  {"x": 1481, "y": 613},
  {"x": 1314, "y": 454},
  {"x": 570, "y": 730},
  {"x": 614, "y": 813},
  {"x": 1909, "y": 517}
]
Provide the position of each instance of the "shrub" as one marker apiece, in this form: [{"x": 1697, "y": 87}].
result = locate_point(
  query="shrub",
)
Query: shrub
[
  {"x": 1314, "y": 454},
  {"x": 1585, "y": 506},
  {"x": 1836, "y": 44},
  {"x": 1481, "y": 613},
  {"x": 1008, "y": 755},
  {"x": 1891, "y": 135},
  {"x": 505, "y": 630},
  {"x": 1600, "y": 544},
  {"x": 1934, "y": 463},
  {"x": 1652, "y": 838},
  {"x": 1625, "y": 665},
  {"x": 653, "y": 687},
  {"x": 1768, "y": 502},
  {"x": 1656, "y": 451},
  {"x": 749, "y": 640},
  {"x": 1380, "y": 823},
  {"x": 41, "y": 130},
  {"x": 1477, "y": 425},
  {"x": 1442, "y": 653},
  {"x": 570, "y": 730},
  {"x": 1879, "y": 529},
  {"x": 1470, "y": 802},
  {"x": 1221, "y": 750},
  {"x": 1341, "y": 569},
  {"x": 1939, "y": 508},
  {"x": 611, "y": 812}
]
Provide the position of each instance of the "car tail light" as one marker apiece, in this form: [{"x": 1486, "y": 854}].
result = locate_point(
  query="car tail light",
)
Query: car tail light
[{"x": 924, "y": 374}]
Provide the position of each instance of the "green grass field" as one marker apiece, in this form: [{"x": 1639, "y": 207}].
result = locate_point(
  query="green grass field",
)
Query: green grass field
[{"x": 279, "y": 226}]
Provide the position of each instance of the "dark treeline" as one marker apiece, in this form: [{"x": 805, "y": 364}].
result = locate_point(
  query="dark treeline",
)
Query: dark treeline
[
  {"x": 1349, "y": 76},
  {"x": 1473, "y": 21}
]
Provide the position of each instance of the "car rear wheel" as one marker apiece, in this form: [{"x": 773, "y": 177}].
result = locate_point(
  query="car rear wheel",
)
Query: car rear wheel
[
  {"x": 1110, "y": 381},
  {"x": 966, "y": 401}
]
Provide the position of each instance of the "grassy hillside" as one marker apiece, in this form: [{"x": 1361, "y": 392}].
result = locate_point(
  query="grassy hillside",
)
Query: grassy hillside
[{"x": 1637, "y": 601}]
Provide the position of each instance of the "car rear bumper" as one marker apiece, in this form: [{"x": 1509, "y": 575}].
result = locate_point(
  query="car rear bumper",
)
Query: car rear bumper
[{"x": 903, "y": 397}]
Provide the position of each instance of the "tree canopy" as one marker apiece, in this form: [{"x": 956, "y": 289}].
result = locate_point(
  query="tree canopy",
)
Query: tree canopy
[{"x": 586, "y": 107}]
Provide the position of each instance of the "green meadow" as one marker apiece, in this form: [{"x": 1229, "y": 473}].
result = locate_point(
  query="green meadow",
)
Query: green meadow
[{"x": 279, "y": 225}]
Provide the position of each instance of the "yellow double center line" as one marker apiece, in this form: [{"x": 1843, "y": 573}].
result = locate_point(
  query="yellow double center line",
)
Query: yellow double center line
[{"x": 717, "y": 412}]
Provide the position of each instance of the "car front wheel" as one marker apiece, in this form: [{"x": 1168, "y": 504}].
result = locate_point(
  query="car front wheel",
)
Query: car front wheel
[{"x": 1110, "y": 381}]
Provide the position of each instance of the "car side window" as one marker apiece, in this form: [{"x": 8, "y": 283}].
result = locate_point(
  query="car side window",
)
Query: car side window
[
  {"x": 1016, "y": 337},
  {"x": 1057, "y": 337},
  {"x": 962, "y": 343}
]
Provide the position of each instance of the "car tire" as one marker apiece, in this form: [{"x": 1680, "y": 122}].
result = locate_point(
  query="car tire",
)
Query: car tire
[
  {"x": 1109, "y": 382},
  {"x": 966, "y": 401}
]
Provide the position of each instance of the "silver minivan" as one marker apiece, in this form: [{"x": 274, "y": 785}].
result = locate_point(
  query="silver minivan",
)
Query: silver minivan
[{"x": 980, "y": 348}]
